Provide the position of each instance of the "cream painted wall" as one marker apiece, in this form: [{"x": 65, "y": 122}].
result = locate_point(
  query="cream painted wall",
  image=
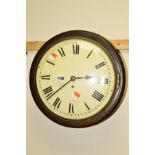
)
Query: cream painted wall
[{"x": 45, "y": 18}]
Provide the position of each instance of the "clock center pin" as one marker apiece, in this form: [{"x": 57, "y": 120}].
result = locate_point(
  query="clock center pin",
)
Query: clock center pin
[{"x": 73, "y": 78}]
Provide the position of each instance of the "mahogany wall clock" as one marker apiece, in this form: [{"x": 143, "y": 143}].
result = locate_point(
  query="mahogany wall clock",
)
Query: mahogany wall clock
[{"x": 77, "y": 79}]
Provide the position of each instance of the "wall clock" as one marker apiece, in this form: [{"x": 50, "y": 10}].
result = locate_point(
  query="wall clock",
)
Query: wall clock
[{"x": 77, "y": 79}]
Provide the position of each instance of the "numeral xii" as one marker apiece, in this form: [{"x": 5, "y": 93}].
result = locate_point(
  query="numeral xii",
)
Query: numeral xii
[
  {"x": 76, "y": 49},
  {"x": 71, "y": 108}
]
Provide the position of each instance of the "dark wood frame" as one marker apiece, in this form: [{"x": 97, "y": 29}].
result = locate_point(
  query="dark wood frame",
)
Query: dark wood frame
[{"x": 115, "y": 101}]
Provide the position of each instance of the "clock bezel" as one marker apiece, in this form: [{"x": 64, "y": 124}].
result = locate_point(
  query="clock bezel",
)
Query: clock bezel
[{"x": 114, "y": 103}]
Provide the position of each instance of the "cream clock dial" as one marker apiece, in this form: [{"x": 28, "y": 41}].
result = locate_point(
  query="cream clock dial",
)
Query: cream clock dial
[{"x": 77, "y": 79}]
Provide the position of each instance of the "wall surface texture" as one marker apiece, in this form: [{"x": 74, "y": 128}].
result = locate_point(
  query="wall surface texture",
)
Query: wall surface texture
[{"x": 46, "y": 18}]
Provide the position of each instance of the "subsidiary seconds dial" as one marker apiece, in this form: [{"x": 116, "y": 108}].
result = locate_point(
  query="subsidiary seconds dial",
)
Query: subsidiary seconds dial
[{"x": 77, "y": 79}]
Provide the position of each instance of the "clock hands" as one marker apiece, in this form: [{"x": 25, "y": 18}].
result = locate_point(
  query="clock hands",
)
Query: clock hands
[
  {"x": 72, "y": 78},
  {"x": 87, "y": 77},
  {"x": 94, "y": 79}
]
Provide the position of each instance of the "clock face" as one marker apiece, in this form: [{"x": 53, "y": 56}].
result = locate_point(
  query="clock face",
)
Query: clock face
[{"x": 75, "y": 80}]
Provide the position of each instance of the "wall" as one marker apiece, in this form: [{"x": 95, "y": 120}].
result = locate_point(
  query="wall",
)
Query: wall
[{"x": 45, "y": 18}]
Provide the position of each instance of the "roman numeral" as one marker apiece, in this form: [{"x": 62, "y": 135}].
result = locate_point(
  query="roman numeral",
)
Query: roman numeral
[
  {"x": 48, "y": 92},
  {"x": 86, "y": 106},
  {"x": 71, "y": 108},
  {"x": 76, "y": 49},
  {"x": 106, "y": 80},
  {"x": 50, "y": 62},
  {"x": 45, "y": 77},
  {"x": 61, "y": 52},
  {"x": 98, "y": 96},
  {"x": 89, "y": 54},
  {"x": 100, "y": 65},
  {"x": 57, "y": 103}
]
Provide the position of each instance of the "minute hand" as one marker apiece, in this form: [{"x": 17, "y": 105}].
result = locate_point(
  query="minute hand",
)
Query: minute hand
[{"x": 60, "y": 88}]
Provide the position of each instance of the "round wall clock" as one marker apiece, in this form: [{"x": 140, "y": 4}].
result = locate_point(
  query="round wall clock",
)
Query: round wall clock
[{"x": 77, "y": 79}]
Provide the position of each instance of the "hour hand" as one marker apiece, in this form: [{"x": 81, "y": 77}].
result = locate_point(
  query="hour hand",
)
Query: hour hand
[{"x": 87, "y": 77}]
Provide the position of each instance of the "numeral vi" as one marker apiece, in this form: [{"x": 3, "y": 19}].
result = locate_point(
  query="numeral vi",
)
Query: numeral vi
[{"x": 71, "y": 108}]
